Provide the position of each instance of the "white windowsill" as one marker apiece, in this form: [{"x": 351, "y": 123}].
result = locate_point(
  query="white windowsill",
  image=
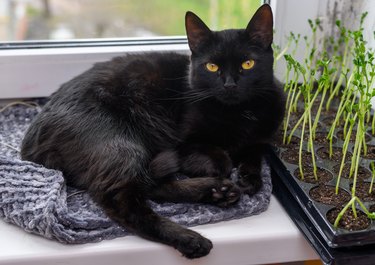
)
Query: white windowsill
[{"x": 270, "y": 237}]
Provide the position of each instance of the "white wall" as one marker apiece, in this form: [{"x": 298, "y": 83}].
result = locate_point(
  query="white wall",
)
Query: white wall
[
  {"x": 292, "y": 15},
  {"x": 351, "y": 14}
]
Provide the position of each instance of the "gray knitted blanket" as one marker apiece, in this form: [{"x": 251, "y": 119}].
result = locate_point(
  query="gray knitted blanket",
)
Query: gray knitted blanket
[{"x": 36, "y": 198}]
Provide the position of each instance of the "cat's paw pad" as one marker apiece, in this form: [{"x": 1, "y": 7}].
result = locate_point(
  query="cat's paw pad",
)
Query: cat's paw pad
[
  {"x": 225, "y": 193},
  {"x": 192, "y": 245}
]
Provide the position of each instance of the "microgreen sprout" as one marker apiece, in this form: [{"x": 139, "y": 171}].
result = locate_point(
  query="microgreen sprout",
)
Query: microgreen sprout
[{"x": 343, "y": 73}]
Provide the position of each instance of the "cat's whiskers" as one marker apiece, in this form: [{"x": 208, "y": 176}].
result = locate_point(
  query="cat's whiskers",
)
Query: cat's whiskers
[
  {"x": 262, "y": 94},
  {"x": 199, "y": 99},
  {"x": 174, "y": 98},
  {"x": 175, "y": 78},
  {"x": 173, "y": 90},
  {"x": 190, "y": 95},
  {"x": 196, "y": 96}
]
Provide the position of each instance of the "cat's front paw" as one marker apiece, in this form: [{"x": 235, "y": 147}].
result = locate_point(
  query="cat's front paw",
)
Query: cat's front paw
[
  {"x": 249, "y": 183},
  {"x": 192, "y": 245},
  {"x": 225, "y": 193},
  {"x": 249, "y": 179}
]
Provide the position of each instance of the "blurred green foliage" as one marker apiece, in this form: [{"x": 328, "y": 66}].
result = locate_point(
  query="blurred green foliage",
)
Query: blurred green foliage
[
  {"x": 166, "y": 17},
  {"x": 130, "y": 18}
]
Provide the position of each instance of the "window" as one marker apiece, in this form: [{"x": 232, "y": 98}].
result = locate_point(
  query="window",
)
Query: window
[{"x": 86, "y": 19}]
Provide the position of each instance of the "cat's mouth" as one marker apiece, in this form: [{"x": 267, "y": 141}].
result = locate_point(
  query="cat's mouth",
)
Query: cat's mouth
[{"x": 230, "y": 97}]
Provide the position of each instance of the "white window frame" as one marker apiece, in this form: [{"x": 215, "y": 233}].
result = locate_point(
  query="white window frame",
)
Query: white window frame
[
  {"x": 37, "y": 72},
  {"x": 26, "y": 71}
]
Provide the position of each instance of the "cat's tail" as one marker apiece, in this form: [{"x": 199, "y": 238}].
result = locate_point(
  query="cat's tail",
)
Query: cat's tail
[{"x": 126, "y": 205}]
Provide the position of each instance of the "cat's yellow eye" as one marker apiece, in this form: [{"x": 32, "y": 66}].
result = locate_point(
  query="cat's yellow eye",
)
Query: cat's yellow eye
[
  {"x": 212, "y": 67},
  {"x": 247, "y": 65}
]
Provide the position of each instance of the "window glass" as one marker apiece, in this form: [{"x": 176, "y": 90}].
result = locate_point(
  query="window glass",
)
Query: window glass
[{"x": 83, "y": 19}]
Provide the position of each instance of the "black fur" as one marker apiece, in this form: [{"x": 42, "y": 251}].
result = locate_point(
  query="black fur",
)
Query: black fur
[{"x": 121, "y": 129}]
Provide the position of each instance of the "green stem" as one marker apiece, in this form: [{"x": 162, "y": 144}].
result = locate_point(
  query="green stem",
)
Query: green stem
[
  {"x": 352, "y": 203},
  {"x": 345, "y": 150},
  {"x": 278, "y": 57},
  {"x": 307, "y": 109},
  {"x": 363, "y": 207},
  {"x": 342, "y": 212},
  {"x": 335, "y": 91},
  {"x": 300, "y": 148},
  {"x": 342, "y": 106},
  {"x": 289, "y": 109},
  {"x": 311, "y": 142},
  {"x": 372, "y": 176},
  {"x": 357, "y": 155},
  {"x": 320, "y": 108},
  {"x": 295, "y": 103},
  {"x": 341, "y": 79},
  {"x": 287, "y": 117}
]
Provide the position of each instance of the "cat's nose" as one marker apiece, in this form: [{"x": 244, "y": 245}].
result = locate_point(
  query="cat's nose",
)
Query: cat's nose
[{"x": 229, "y": 83}]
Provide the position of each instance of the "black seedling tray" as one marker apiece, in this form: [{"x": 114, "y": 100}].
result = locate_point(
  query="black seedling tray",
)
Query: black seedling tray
[
  {"x": 316, "y": 211},
  {"x": 300, "y": 190},
  {"x": 364, "y": 255}
]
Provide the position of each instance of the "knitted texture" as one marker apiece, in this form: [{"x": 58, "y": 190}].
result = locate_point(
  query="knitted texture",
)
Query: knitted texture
[{"x": 36, "y": 198}]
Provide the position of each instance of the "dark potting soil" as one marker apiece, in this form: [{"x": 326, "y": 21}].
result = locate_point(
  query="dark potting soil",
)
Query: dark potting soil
[
  {"x": 321, "y": 138},
  {"x": 370, "y": 152},
  {"x": 292, "y": 156},
  {"x": 293, "y": 119},
  {"x": 323, "y": 152},
  {"x": 326, "y": 194},
  {"x": 279, "y": 137},
  {"x": 362, "y": 191},
  {"x": 348, "y": 220},
  {"x": 309, "y": 177},
  {"x": 331, "y": 113},
  {"x": 362, "y": 174},
  {"x": 328, "y": 121},
  {"x": 340, "y": 134},
  {"x": 371, "y": 208},
  {"x": 323, "y": 112}
]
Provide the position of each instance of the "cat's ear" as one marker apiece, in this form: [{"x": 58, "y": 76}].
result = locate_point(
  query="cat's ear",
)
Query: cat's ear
[
  {"x": 260, "y": 27},
  {"x": 197, "y": 32}
]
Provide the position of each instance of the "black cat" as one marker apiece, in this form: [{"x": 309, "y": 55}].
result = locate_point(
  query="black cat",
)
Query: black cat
[{"x": 121, "y": 129}]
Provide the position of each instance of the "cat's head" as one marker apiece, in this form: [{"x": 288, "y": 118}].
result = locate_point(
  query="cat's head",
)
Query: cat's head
[{"x": 231, "y": 66}]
